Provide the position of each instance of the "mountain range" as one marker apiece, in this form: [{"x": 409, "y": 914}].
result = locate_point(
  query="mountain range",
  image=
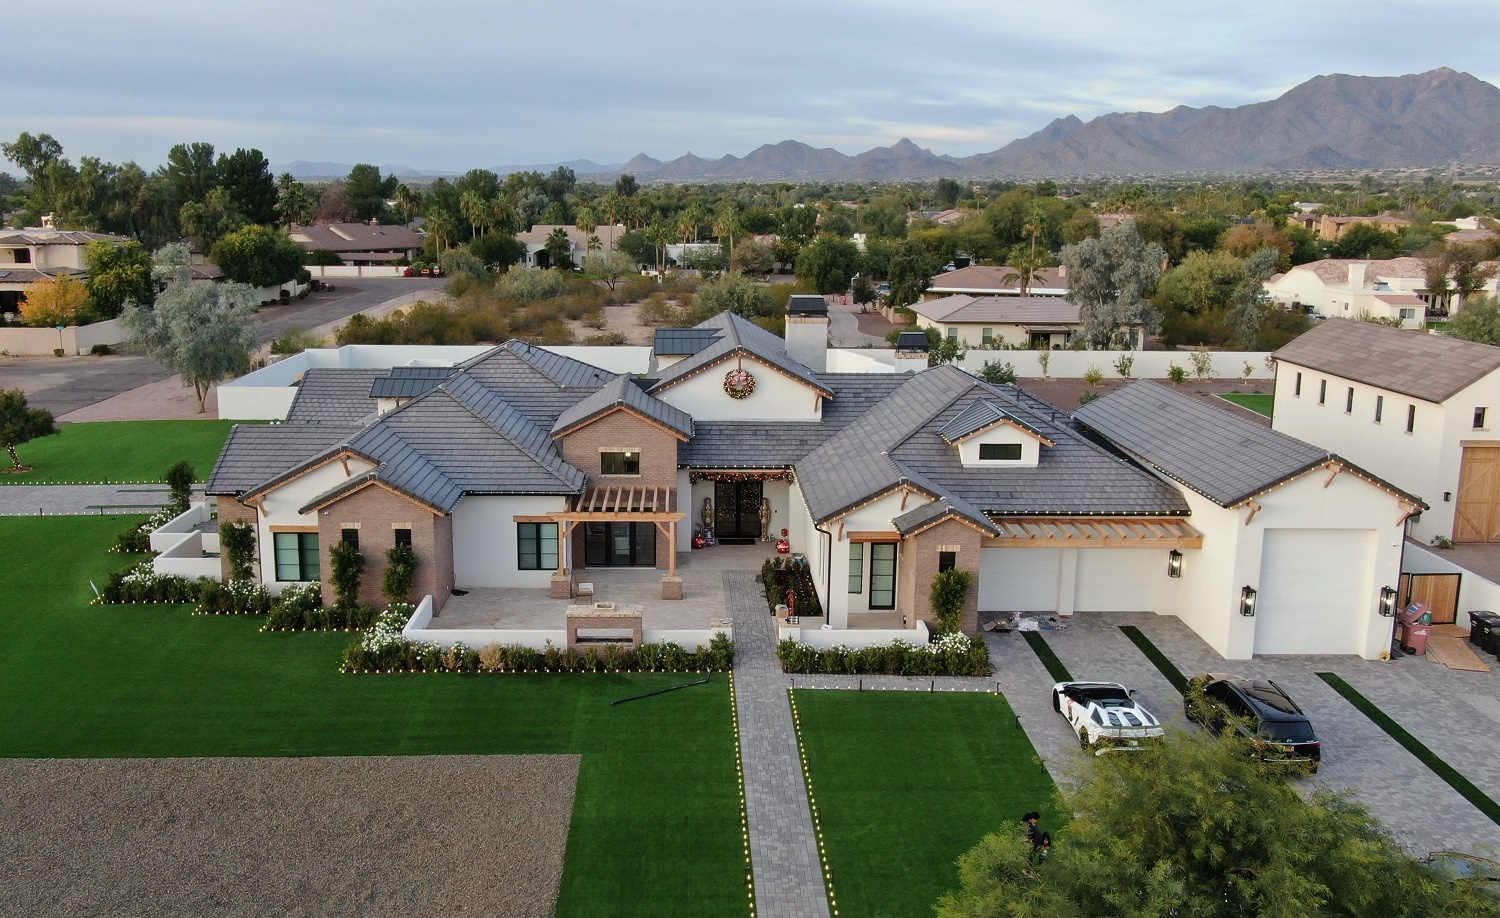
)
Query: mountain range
[{"x": 1336, "y": 122}]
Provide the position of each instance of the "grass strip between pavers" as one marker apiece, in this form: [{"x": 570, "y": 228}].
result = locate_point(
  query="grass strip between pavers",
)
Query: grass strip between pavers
[
  {"x": 1159, "y": 659},
  {"x": 1260, "y": 403},
  {"x": 1482, "y": 801},
  {"x": 1055, "y": 667}
]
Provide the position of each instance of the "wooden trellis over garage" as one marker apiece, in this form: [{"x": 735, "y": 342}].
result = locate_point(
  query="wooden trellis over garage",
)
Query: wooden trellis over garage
[
  {"x": 1093, "y": 532},
  {"x": 622, "y": 503}
]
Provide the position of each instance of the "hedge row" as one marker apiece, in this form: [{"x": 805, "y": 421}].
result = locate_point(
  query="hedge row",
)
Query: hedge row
[{"x": 947, "y": 655}]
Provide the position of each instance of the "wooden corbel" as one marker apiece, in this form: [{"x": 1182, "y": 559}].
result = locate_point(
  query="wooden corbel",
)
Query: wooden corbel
[
  {"x": 1254, "y": 509},
  {"x": 1332, "y": 475}
]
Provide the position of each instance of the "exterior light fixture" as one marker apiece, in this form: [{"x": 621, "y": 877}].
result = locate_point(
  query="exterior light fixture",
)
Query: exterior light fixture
[
  {"x": 1174, "y": 563},
  {"x": 1247, "y": 602},
  {"x": 1387, "y": 602}
]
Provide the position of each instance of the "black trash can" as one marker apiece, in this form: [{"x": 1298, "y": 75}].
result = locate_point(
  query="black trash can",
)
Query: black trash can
[{"x": 1484, "y": 631}]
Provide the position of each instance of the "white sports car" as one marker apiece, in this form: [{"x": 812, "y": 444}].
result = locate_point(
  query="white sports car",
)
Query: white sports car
[{"x": 1104, "y": 715}]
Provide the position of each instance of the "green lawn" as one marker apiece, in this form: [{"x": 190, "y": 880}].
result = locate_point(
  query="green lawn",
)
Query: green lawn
[
  {"x": 1258, "y": 403},
  {"x": 655, "y": 827},
  {"x": 120, "y": 451},
  {"x": 905, "y": 782}
]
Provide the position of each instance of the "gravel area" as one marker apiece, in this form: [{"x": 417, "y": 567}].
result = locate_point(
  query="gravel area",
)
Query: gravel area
[{"x": 450, "y": 835}]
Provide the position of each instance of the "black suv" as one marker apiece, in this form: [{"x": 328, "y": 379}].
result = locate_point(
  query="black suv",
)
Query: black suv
[{"x": 1261, "y": 711}]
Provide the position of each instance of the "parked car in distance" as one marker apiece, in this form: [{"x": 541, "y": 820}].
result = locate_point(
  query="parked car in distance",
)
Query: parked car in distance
[
  {"x": 1104, "y": 715},
  {"x": 1261, "y": 711}
]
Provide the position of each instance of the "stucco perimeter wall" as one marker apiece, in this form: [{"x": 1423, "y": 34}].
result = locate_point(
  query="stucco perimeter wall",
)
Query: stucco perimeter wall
[
  {"x": 485, "y": 550},
  {"x": 1475, "y": 593},
  {"x": 73, "y": 339},
  {"x": 1068, "y": 364}
]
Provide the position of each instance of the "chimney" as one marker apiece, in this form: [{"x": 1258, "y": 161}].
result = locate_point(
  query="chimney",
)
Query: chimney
[
  {"x": 1062, "y": 272},
  {"x": 911, "y": 352},
  {"x": 807, "y": 331},
  {"x": 1357, "y": 276}
]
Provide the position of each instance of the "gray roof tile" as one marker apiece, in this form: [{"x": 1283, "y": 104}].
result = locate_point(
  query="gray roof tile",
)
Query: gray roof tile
[
  {"x": 1429, "y": 367},
  {"x": 623, "y": 392},
  {"x": 256, "y": 453},
  {"x": 982, "y": 414},
  {"x": 739, "y": 336},
  {"x": 334, "y": 395}
]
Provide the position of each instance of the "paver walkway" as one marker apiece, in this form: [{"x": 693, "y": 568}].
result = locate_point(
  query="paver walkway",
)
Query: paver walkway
[
  {"x": 783, "y": 848},
  {"x": 74, "y": 500}
]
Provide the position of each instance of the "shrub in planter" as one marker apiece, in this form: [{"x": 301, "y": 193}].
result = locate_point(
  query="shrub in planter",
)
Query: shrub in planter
[
  {"x": 140, "y": 583},
  {"x": 237, "y": 597},
  {"x": 137, "y": 539},
  {"x": 400, "y": 572},
  {"x": 180, "y": 479},
  {"x": 348, "y": 567},
  {"x": 946, "y": 655},
  {"x": 295, "y": 607},
  {"x": 237, "y": 541},
  {"x": 949, "y": 590}
]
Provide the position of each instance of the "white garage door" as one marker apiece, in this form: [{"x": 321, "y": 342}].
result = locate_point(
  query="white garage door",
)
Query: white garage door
[
  {"x": 1118, "y": 580},
  {"x": 1018, "y": 579},
  {"x": 1315, "y": 593}
]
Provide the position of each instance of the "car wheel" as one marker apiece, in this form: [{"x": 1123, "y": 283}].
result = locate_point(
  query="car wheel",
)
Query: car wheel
[
  {"x": 1056, "y": 704},
  {"x": 1083, "y": 739}
]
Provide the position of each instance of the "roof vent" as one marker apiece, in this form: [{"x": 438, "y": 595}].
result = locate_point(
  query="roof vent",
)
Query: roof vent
[{"x": 914, "y": 341}]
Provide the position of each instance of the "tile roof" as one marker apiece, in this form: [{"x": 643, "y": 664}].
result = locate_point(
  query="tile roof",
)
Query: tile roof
[
  {"x": 1220, "y": 455},
  {"x": 739, "y": 335},
  {"x": 1429, "y": 367},
  {"x": 683, "y": 342},
  {"x": 991, "y": 279},
  {"x": 623, "y": 392},
  {"x": 53, "y": 237},
  {"x": 1001, "y": 310},
  {"x": 334, "y": 395},
  {"x": 255, "y": 453},
  {"x": 1336, "y": 270},
  {"x": 409, "y": 382},
  {"x": 982, "y": 415},
  {"x": 355, "y": 237}
]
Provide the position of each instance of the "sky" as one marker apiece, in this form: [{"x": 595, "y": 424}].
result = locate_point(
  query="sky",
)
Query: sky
[{"x": 457, "y": 84}]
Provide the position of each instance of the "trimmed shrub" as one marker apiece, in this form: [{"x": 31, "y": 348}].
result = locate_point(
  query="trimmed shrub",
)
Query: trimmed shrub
[
  {"x": 783, "y": 576},
  {"x": 140, "y": 584},
  {"x": 946, "y": 655},
  {"x": 180, "y": 479},
  {"x": 348, "y": 568},
  {"x": 237, "y": 597},
  {"x": 400, "y": 572},
  {"x": 237, "y": 541}
]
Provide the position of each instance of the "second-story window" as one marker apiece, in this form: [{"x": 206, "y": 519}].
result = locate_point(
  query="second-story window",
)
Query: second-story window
[
  {"x": 1297, "y": 385},
  {"x": 620, "y": 463},
  {"x": 1322, "y": 391},
  {"x": 1379, "y": 407},
  {"x": 1479, "y": 418},
  {"x": 1349, "y": 401},
  {"x": 1411, "y": 418}
]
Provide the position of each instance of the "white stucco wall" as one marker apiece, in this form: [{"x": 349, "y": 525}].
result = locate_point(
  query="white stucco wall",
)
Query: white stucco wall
[
  {"x": 777, "y": 397},
  {"x": 484, "y": 541},
  {"x": 1474, "y": 591},
  {"x": 968, "y": 450},
  {"x": 280, "y": 508}
]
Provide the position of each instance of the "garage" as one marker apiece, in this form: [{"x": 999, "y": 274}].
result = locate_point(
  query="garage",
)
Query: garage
[
  {"x": 1118, "y": 580},
  {"x": 1019, "y": 579},
  {"x": 1314, "y": 593}
]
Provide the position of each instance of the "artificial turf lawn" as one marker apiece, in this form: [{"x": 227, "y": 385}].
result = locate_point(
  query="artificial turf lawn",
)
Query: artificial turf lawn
[
  {"x": 1055, "y": 667},
  {"x": 1157, "y": 658},
  {"x": 906, "y": 782},
  {"x": 1485, "y": 803},
  {"x": 655, "y": 828},
  {"x": 120, "y": 451},
  {"x": 1259, "y": 403}
]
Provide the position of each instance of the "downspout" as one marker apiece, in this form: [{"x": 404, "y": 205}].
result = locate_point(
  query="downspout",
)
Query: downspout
[{"x": 827, "y": 575}]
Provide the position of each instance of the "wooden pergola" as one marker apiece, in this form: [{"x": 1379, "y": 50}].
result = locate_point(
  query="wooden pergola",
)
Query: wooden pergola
[
  {"x": 623, "y": 503},
  {"x": 1093, "y": 532}
]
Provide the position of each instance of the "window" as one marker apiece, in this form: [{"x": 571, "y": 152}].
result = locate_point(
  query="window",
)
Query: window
[
  {"x": 1479, "y": 418},
  {"x": 947, "y": 560},
  {"x": 1322, "y": 391},
  {"x": 883, "y": 575},
  {"x": 351, "y": 536},
  {"x": 856, "y": 567},
  {"x": 22, "y": 256},
  {"x": 403, "y": 536},
  {"x": 999, "y": 451},
  {"x": 296, "y": 556},
  {"x": 1349, "y": 401},
  {"x": 1379, "y": 407},
  {"x": 1408, "y": 314},
  {"x": 620, "y": 463},
  {"x": 536, "y": 546},
  {"x": 1411, "y": 418},
  {"x": 952, "y": 334},
  {"x": 1297, "y": 385},
  {"x": 987, "y": 336}
]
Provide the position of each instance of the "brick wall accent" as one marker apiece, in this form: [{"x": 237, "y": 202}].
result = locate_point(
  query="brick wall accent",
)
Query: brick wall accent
[
  {"x": 378, "y": 513},
  {"x": 232, "y": 511},
  {"x": 623, "y": 430},
  {"x": 917, "y": 564}
]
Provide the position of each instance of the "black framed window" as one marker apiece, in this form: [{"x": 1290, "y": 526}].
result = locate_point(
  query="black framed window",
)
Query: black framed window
[
  {"x": 1379, "y": 407},
  {"x": 1411, "y": 418},
  {"x": 1322, "y": 391},
  {"x": 403, "y": 536},
  {"x": 999, "y": 451},
  {"x": 856, "y": 567},
  {"x": 536, "y": 545},
  {"x": 296, "y": 556},
  {"x": 947, "y": 560},
  {"x": 1479, "y": 418},
  {"x": 1297, "y": 385},
  {"x": 620, "y": 463},
  {"x": 1349, "y": 401},
  {"x": 350, "y": 536},
  {"x": 882, "y": 575}
]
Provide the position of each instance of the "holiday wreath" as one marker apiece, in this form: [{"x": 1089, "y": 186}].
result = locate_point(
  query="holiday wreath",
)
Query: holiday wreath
[{"x": 739, "y": 383}]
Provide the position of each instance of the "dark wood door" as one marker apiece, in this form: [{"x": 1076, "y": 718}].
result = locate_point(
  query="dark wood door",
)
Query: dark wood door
[{"x": 737, "y": 511}]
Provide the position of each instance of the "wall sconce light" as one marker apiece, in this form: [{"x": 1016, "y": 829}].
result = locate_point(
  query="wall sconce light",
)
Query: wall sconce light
[
  {"x": 1447, "y": 496},
  {"x": 1247, "y": 602},
  {"x": 1174, "y": 563},
  {"x": 1387, "y": 602}
]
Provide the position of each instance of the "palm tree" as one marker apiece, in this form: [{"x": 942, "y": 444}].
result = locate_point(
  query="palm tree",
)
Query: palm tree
[
  {"x": 409, "y": 202},
  {"x": 1026, "y": 271},
  {"x": 440, "y": 225},
  {"x": 660, "y": 234},
  {"x": 595, "y": 245},
  {"x": 503, "y": 215},
  {"x": 585, "y": 221},
  {"x": 612, "y": 208},
  {"x": 1034, "y": 225},
  {"x": 727, "y": 224},
  {"x": 476, "y": 210}
]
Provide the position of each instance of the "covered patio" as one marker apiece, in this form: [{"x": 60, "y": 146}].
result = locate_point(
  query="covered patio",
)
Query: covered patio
[{"x": 617, "y": 504}]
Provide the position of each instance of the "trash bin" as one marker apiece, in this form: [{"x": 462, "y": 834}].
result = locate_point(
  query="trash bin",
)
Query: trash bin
[
  {"x": 1484, "y": 631},
  {"x": 1414, "y": 638}
]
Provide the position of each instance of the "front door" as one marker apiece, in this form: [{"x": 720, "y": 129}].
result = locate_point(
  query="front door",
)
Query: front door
[
  {"x": 619, "y": 545},
  {"x": 1476, "y": 516},
  {"x": 737, "y": 511}
]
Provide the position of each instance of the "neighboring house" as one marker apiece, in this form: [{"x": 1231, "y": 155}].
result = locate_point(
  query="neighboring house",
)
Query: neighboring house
[
  {"x": 1013, "y": 321},
  {"x": 29, "y": 255},
  {"x": 535, "y": 240},
  {"x": 1299, "y": 545},
  {"x": 1352, "y": 288},
  {"x": 991, "y": 280},
  {"x": 1418, "y": 410},
  {"x": 1331, "y": 228},
  {"x": 360, "y": 243},
  {"x": 940, "y": 217},
  {"x": 522, "y": 468}
]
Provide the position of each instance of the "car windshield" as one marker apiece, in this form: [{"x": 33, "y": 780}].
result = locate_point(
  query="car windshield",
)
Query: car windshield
[{"x": 1287, "y": 731}]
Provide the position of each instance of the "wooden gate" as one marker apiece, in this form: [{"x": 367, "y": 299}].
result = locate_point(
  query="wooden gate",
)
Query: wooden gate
[
  {"x": 1438, "y": 591},
  {"x": 1476, "y": 516}
]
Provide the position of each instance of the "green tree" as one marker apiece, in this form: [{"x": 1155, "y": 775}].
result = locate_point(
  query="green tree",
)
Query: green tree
[
  {"x": 261, "y": 256},
  {"x": 191, "y": 172},
  {"x": 1478, "y": 320},
  {"x": 861, "y": 291},
  {"x": 949, "y": 590},
  {"x": 727, "y": 224},
  {"x": 828, "y": 263},
  {"x": 366, "y": 190},
  {"x": 1195, "y": 826},
  {"x": 610, "y": 267},
  {"x": 1109, "y": 279},
  {"x": 118, "y": 273},
  {"x": 246, "y": 176},
  {"x": 20, "y": 423},
  {"x": 1025, "y": 270},
  {"x": 498, "y": 251},
  {"x": 910, "y": 274},
  {"x": 210, "y": 220},
  {"x": 1203, "y": 284},
  {"x": 754, "y": 257},
  {"x": 626, "y": 186},
  {"x": 947, "y": 192},
  {"x": 294, "y": 201},
  {"x": 54, "y": 301},
  {"x": 408, "y": 202},
  {"x": 1364, "y": 240},
  {"x": 736, "y": 293},
  {"x": 559, "y": 246},
  {"x": 199, "y": 329},
  {"x": 1251, "y": 302}
]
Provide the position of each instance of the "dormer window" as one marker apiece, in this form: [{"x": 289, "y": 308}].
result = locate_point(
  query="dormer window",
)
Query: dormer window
[
  {"x": 1001, "y": 452},
  {"x": 620, "y": 463}
]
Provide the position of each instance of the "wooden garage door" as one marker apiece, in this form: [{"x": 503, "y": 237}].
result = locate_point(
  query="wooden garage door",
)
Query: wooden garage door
[
  {"x": 1315, "y": 594},
  {"x": 1476, "y": 516}
]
